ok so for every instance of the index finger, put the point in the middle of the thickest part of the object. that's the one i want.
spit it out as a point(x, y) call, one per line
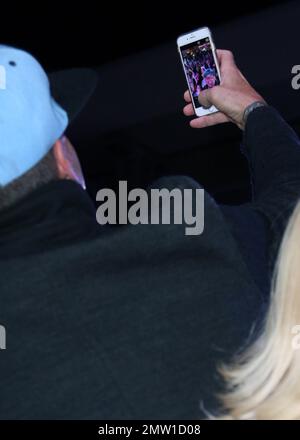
point(225, 58)
point(187, 96)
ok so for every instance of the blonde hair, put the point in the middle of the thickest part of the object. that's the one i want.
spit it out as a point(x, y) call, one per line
point(264, 382)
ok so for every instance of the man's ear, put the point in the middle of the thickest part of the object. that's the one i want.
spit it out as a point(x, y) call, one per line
point(67, 161)
point(62, 161)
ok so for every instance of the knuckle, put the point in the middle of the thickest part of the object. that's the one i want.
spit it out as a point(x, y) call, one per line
point(229, 53)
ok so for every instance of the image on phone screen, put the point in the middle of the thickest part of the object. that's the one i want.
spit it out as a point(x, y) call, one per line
point(200, 67)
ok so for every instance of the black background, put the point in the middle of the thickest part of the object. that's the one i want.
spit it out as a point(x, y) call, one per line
point(92, 33)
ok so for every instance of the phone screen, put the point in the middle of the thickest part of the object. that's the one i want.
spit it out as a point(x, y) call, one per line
point(200, 67)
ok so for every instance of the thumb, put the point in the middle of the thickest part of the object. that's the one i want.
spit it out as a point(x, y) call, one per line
point(204, 98)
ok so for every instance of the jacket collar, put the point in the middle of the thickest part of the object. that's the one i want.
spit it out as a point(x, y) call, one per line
point(52, 213)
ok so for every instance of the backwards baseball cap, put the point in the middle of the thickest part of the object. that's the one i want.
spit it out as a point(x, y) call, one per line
point(35, 109)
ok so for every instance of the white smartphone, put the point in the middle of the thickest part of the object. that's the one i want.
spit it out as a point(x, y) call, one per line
point(200, 64)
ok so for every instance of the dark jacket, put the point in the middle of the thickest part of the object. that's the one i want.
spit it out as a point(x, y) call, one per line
point(131, 322)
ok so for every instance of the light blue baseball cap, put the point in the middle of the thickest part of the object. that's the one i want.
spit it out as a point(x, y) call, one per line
point(35, 109)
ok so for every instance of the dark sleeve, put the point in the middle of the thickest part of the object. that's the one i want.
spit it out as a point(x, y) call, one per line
point(273, 152)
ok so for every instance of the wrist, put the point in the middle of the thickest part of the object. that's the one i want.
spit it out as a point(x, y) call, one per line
point(250, 108)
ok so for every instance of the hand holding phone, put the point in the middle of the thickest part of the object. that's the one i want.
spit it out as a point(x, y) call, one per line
point(231, 97)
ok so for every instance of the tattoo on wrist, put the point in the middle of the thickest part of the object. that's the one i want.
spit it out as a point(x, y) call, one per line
point(252, 107)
